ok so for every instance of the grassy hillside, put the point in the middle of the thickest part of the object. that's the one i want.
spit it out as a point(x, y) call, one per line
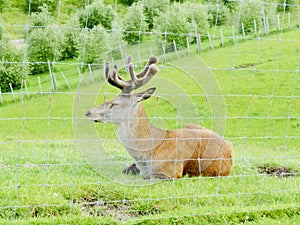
point(58, 168)
point(15, 17)
point(45, 178)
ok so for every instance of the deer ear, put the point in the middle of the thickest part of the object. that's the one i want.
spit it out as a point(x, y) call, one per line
point(146, 94)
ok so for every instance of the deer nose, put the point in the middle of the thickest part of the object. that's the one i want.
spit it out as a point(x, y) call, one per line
point(88, 113)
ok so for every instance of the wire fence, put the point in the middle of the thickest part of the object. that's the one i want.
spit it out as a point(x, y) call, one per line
point(240, 79)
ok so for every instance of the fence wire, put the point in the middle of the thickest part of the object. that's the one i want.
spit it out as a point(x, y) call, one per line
point(54, 163)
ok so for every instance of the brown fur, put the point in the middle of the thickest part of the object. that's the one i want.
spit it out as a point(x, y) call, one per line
point(193, 150)
point(160, 154)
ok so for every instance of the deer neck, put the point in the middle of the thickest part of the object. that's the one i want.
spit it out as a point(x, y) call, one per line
point(138, 135)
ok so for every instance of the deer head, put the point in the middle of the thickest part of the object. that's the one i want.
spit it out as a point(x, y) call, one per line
point(121, 108)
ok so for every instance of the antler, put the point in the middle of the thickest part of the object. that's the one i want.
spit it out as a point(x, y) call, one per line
point(137, 80)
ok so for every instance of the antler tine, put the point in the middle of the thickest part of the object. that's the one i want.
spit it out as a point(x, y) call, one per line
point(130, 68)
point(133, 75)
point(146, 75)
point(106, 73)
point(137, 80)
point(115, 79)
point(152, 70)
point(152, 60)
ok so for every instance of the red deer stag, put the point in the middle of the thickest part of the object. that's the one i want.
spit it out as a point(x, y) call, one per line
point(159, 154)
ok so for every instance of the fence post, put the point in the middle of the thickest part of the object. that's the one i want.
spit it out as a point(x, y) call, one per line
point(26, 89)
point(243, 30)
point(175, 47)
point(12, 92)
point(51, 77)
point(164, 51)
point(221, 36)
point(91, 73)
point(65, 79)
point(199, 44)
point(80, 76)
point(255, 27)
point(210, 43)
point(40, 85)
point(267, 26)
point(188, 44)
point(1, 99)
point(55, 87)
point(278, 22)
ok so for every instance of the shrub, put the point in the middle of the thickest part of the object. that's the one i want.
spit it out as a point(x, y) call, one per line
point(95, 14)
point(180, 21)
point(42, 46)
point(2, 4)
point(1, 30)
point(217, 14)
point(134, 24)
point(12, 69)
point(152, 8)
point(92, 45)
point(116, 37)
point(128, 2)
point(231, 5)
point(34, 5)
point(69, 44)
point(285, 5)
point(251, 10)
point(198, 16)
point(43, 18)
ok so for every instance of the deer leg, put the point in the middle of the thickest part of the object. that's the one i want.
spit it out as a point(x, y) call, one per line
point(158, 176)
point(132, 169)
point(167, 170)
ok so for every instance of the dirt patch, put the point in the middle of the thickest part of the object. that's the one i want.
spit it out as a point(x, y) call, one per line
point(118, 210)
point(278, 171)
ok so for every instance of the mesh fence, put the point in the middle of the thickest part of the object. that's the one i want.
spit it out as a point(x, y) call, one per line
point(229, 66)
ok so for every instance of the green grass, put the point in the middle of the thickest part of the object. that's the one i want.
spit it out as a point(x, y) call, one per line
point(16, 18)
point(45, 177)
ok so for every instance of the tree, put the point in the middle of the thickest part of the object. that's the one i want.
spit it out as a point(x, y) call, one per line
point(96, 13)
point(93, 45)
point(134, 24)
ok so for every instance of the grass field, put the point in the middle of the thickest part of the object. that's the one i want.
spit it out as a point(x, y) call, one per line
point(46, 177)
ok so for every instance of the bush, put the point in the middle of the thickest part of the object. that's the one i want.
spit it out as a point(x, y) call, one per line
point(12, 69)
point(198, 16)
point(251, 10)
point(69, 44)
point(43, 18)
point(34, 5)
point(180, 21)
point(42, 47)
point(286, 5)
point(116, 37)
point(134, 24)
point(95, 14)
point(217, 14)
point(152, 8)
point(128, 2)
point(1, 30)
point(2, 4)
point(231, 5)
point(92, 45)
